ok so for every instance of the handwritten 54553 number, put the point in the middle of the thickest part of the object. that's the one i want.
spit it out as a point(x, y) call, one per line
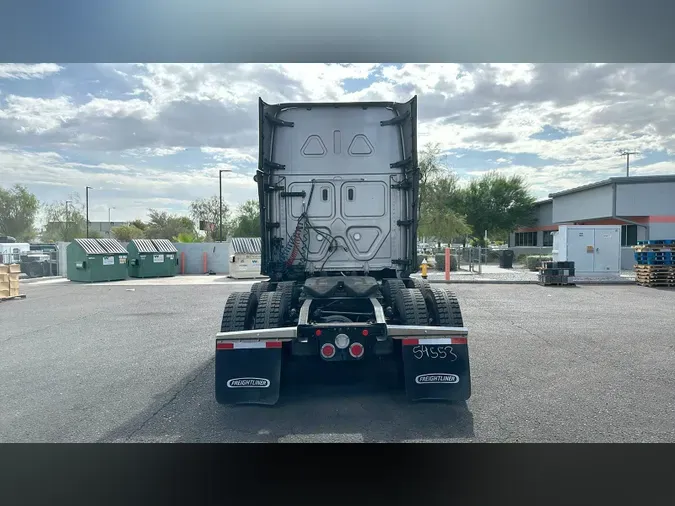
point(436, 351)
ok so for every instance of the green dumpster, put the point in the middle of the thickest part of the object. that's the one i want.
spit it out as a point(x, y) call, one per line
point(166, 247)
point(152, 258)
point(93, 260)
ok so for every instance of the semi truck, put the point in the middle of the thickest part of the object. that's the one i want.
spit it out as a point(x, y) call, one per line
point(338, 189)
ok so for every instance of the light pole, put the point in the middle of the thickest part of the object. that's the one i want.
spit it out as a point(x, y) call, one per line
point(109, 221)
point(220, 214)
point(87, 204)
point(67, 219)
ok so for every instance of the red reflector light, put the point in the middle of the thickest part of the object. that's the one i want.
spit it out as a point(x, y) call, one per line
point(364, 332)
point(317, 333)
point(273, 344)
point(224, 346)
point(356, 350)
point(459, 340)
point(411, 342)
point(327, 350)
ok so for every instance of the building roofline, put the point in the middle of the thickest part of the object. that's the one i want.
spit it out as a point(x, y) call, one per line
point(543, 201)
point(617, 180)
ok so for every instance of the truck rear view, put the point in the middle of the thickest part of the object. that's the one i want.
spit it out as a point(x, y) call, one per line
point(338, 187)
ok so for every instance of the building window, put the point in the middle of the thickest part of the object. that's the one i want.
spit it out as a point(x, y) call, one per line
point(628, 235)
point(547, 240)
point(525, 239)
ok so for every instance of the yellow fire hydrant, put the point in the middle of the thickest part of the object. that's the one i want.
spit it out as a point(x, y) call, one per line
point(424, 268)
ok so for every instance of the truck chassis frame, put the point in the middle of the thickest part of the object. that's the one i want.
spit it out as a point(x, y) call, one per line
point(408, 321)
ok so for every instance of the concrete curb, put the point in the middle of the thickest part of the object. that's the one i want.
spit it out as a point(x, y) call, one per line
point(28, 281)
point(521, 282)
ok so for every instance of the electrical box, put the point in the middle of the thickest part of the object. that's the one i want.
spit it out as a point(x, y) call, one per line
point(594, 249)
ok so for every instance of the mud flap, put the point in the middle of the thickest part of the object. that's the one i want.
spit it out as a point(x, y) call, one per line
point(248, 373)
point(437, 369)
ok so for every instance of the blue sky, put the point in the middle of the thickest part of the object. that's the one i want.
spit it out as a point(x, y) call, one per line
point(155, 135)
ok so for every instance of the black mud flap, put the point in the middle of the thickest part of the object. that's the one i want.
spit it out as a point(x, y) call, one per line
point(437, 369)
point(248, 373)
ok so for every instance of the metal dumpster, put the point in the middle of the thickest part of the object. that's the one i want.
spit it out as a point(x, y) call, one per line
point(152, 258)
point(92, 260)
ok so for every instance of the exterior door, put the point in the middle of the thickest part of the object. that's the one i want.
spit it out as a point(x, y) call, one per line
point(607, 249)
point(581, 249)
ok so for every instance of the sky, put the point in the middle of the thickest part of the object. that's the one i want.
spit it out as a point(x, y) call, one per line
point(156, 135)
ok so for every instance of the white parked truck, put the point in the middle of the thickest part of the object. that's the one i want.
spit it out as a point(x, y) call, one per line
point(338, 187)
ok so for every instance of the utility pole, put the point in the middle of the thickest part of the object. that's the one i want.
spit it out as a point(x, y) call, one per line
point(87, 205)
point(109, 222)
point(220, 214)
point(627, 155)
point(67, 219)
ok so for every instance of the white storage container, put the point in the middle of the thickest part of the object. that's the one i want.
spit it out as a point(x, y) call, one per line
point(594, 249)
point(244, 258)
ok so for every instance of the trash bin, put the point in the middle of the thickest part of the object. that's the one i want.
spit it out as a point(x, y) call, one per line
point(506, 259)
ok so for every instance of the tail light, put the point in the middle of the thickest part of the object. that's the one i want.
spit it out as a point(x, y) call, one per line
point(328, 350)
point(356, 350)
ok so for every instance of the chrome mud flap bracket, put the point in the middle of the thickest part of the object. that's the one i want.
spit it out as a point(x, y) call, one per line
point(435, 362)
point(248, 365)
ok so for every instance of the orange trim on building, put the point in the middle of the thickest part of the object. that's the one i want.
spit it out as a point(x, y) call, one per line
point(551, 228)
point(662, 219)
point(642, 220)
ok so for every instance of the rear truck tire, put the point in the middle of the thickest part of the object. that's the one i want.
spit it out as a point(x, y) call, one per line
point(287, 288)
point(247, 372)
point(443, 308)
point(271, 311)
point(433, 367)
point(411, 307)
point(260, 287)
point(421, 284)
point(389, 289)
point(239, 312)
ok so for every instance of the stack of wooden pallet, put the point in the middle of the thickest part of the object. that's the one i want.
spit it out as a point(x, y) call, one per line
point(9, 282)
point(655, 263)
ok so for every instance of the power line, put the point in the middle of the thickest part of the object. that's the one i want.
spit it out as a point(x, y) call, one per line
point(627, 155)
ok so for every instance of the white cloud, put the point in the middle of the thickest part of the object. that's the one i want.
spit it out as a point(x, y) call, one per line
point(208, 114)
point(27, 71)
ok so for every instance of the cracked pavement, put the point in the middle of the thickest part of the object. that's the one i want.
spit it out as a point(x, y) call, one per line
point(88, 363)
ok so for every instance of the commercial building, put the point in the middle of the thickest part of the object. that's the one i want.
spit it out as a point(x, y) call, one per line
point(644, 207)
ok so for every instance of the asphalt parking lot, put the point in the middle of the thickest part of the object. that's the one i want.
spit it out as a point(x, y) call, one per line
point(89, 363)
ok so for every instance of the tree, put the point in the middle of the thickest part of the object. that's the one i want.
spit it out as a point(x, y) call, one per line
point(209, 210)
point(498, 204)
point(138, 224)
point(247, 220)
point(18, 209)
point(442, 216)
point(441, 203)
point(430, 169)
point(163, 225)
point(66, 221)
point(127, 233)
point(186, 237)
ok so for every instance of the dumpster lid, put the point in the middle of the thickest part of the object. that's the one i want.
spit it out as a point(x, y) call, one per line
point(112, 246)
point(91, 246)
point(144, 245)
point(164, 246)
point(249, 245)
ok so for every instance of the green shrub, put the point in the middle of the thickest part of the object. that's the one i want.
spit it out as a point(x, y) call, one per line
point(521, 259)
point(440, 262)
point(533, 262)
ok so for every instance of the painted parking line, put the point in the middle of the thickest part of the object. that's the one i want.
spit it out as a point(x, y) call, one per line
point(321, 438)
